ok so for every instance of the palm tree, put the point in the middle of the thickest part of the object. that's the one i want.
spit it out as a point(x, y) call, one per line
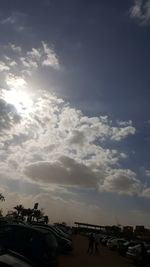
point(19, 209)
point(2, 198)
point(23, 213)
point(29, 214)
point(38, 214)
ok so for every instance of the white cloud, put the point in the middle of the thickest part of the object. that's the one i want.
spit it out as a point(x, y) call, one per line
point(13, 63)
point(9, 20)
point(120, 133)
point(146, 193)
point(147, 172)
point(25, 62)
point(16, 20)
point(124, 123)
point(141, 10)
point(15, 81)
point(58, 146)
point(3, 66)
point(34, 53)
point(15, 48)
point(29, 63)
point(55, 143)
point(122, 181)
point(51, 58)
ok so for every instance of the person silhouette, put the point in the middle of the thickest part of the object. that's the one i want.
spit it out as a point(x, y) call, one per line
point(91, 243)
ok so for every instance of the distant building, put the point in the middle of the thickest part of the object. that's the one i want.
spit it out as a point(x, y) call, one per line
point(113, 230)
point(127, 232)
point(128, 229)
point(139, 229)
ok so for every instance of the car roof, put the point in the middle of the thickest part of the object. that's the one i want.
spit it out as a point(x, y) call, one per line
point(22, 226)
point(41, 229)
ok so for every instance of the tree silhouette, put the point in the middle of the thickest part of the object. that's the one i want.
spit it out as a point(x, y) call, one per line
point(29, 214)
point(19, 209)
point(2, 198)
point(38, 214)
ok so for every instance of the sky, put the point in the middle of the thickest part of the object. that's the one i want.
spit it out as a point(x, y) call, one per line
point(74, 109)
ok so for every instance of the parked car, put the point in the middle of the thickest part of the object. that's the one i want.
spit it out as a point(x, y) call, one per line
point(9, 258)
point(36, 244)
point(64, 245)
point(134, 252)
point(61, 232)
point(123, 247)
point(114, 243)
point(109, 240)
point(53, 228)
point(105, 239)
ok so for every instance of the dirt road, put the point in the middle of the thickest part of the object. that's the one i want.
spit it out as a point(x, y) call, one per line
point(79, 257)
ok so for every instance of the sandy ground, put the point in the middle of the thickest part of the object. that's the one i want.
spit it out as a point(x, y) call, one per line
point(79, 257)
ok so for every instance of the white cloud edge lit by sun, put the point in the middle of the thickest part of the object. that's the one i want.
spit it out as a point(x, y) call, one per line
point(24, 62)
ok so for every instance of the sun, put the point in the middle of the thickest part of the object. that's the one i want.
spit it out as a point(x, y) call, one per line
point(20, 99)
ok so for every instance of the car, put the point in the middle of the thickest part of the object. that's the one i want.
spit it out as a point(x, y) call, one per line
point(10, 258)
point(109, 241)
point(114, 243)
point(37, 245)
point(134, 252)
point(53, 228)
point(61, 232)
point(123, 247)
point(64, 245)
point(105, 239)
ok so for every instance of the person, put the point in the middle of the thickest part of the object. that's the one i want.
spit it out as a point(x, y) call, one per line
point(97, 240)
point(91, 243)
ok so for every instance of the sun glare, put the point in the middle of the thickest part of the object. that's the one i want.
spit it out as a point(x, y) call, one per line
point(19, 99)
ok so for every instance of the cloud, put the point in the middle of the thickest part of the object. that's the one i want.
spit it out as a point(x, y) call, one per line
point(8, 118)
point(3, 66)
point(9, 20)
point(147, 172)
point(15, 81)
point(13, 63)
point(77, 138)
point(59, 146)
point(64, 171)
point(51, 58)
point(16, 20)
point(25, 62)
point(122, 181)
point(29, 63)
point(54, 143)
point(34, 53)
point(15, 48)
point(141, 11)
point(124, 123)
point(120, 133)
point(146, 193)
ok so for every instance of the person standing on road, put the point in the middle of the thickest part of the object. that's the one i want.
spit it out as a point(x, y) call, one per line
point(97, 241)
point(91, 243)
